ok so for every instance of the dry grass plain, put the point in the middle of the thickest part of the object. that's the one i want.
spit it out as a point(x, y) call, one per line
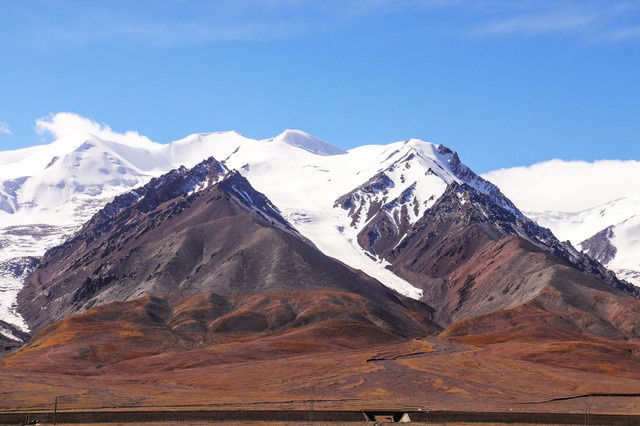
point(428, 374)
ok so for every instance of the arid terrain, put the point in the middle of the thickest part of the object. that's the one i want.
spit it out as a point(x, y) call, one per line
point(427, 374)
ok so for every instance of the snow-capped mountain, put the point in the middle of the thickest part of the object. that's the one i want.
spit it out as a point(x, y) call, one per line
point(189, 242)
point(217, 251)
point(332, 197)
point(194, 232)
point(590, 204)
point(609, 233)
point(48, 192)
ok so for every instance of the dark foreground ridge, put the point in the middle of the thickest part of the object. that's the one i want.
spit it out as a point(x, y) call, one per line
point(322, 417)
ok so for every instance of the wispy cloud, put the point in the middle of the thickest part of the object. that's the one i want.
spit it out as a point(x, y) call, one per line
point(622, 34)
point(175, 22)
point(541, 23)
point(610, 21)
point(163, 23)
point(4, 128)
point(181, 33)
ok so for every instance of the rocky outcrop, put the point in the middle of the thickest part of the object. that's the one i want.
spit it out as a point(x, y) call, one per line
point(599, 247)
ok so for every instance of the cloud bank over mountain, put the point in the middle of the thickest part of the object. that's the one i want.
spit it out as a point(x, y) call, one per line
point(63, 124)
point(567, 185)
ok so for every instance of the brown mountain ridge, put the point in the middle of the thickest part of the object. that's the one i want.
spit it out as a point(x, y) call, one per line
point(201, 269)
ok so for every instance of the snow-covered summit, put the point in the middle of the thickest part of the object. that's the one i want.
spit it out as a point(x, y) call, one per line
point(59, 183)
point(307, 142)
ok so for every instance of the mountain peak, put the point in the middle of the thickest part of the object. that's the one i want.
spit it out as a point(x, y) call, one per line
point(307, 142)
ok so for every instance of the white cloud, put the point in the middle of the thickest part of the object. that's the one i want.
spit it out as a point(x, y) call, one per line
point(64, 124)
point(4, 128)
point(567, 185)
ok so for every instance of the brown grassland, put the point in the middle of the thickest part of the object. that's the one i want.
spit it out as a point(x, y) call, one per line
point(422, 374)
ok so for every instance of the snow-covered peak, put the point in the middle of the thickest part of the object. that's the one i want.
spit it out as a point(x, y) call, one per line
point(578, 226)
point(616, 247)
point(626, 240)
point(609, 233)
point(192, 149)
point(60, 183)
point(411, 176)
point(307, 142)
point(28, 161)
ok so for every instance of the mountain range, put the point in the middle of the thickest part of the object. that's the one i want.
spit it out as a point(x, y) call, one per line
point(122, 259)
point(609, 233)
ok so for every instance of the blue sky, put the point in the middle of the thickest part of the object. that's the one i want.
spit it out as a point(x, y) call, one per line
point(504, 83)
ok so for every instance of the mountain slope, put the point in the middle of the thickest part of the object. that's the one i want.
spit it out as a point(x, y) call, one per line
point(473, 258)
point(329, 199)
point(47, 192)
point(609, 233)
point(616, 247)
point(197, 257)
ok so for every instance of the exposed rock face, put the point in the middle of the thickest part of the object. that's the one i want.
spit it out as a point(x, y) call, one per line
point(599, 247)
